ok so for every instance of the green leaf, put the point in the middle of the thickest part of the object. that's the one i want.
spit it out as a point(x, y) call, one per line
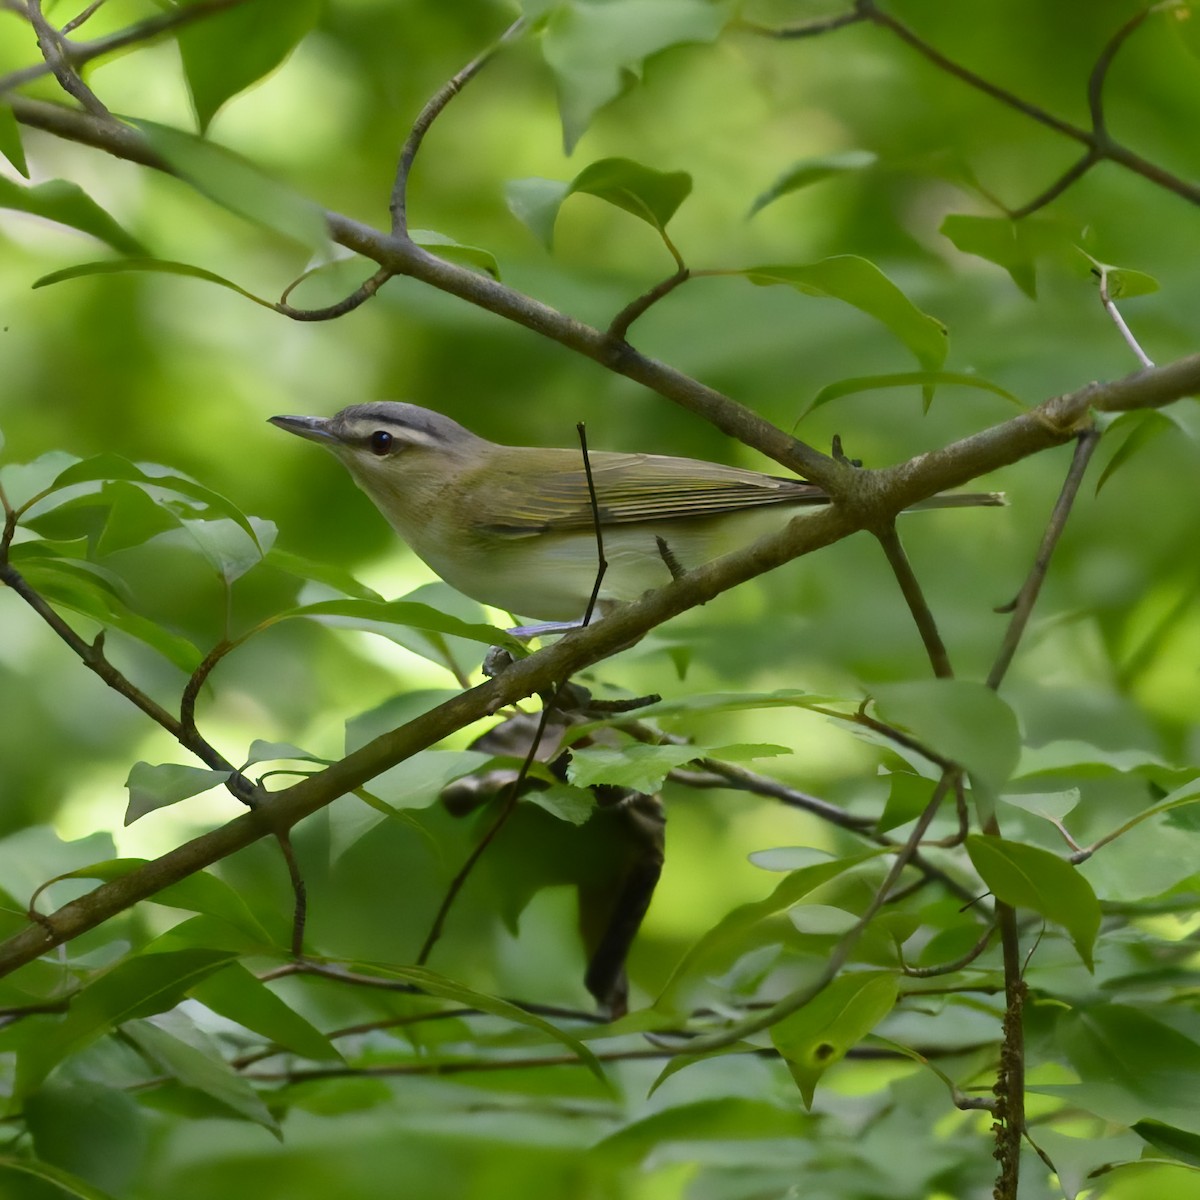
point(922, 379)
point(206, 1071)
point(153, 787)
point(1017, 246)
point(24, 481)
point(963, 721)
point(812, 170)
point(643, 768)
point(1030, 877)
point(418, 780)
point(596, 49)
point(374, 615)
point(161, 265)
point(228, 51)
point(95, 1132)
point(85, 595)
point(227, 545)
point(1125, 283)
point(239, 996)
point(237, 185)
point(319, 572)
point(571, 804)
point(68, 1184)
point(1139, 430)
point(860, 283)
point(651, 196)
point(1178, 1143)
point(261, 751)
point(818, 1035)
point(535, 203)
point(725, 938)
point(1052, 806)
point(10, 140)
point(446, 247)
point(67, 204)
point(135, 987)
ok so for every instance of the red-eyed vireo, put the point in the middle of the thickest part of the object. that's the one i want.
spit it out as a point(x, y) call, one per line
point(512, 526)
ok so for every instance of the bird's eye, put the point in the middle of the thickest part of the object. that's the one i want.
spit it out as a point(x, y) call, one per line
point(380, 442)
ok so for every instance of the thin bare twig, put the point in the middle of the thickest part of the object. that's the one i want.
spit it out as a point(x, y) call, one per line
point(359, 296)
point(50, 43)
point(635, 308)
point(914, 597)
point(1022, 608)
point(957, 965)
point(806, 30)
point(1119, 321)
point(299, 892)
point(1071, 175)
point(89, 12)
point(1100, 70)
point(427, 116)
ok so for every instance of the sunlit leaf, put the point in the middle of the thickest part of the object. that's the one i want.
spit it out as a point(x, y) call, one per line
point(818, 1035)
point(153, 787)
point(595, 49)
point(860, 283)
point(228, 51)
point(813, 170)
point(67, 204)
point(1030, 877)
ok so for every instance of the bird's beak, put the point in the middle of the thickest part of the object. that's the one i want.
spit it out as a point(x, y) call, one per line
point(316, 429)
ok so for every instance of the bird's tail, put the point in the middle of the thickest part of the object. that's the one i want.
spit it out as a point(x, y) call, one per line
point(960, 500)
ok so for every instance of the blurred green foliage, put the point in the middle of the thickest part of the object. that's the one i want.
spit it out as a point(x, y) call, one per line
point(848, 143)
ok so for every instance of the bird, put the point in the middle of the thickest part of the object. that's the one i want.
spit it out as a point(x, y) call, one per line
point(513, 527)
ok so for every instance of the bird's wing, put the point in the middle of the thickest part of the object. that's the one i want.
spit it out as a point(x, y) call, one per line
point(629, 488)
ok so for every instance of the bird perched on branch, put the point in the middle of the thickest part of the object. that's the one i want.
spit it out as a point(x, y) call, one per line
point(513, 526)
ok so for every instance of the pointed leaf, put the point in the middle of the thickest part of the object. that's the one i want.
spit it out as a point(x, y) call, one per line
point(812, 170)
point(1139, 430)
point(535, 203)
point(860, 283)
point(818, 1035)
point(64, 1181)
point(963, 721)
point(923, 379)
point(643, 768)
point(1017, 246)
point(227, 52)
point(239, 996)
point(595, 50)
point(153, 787)
point(208, 1073)
point(1178, 1143)
point(135, 987)
point(651, 196)
point(68, 204)
point(161, 265)
point(446, 247)
point(1030, 877)
point(10, 140)
point(239, 186)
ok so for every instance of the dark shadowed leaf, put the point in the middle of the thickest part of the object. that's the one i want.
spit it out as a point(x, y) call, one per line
point(10, 140)
point(64, 1183)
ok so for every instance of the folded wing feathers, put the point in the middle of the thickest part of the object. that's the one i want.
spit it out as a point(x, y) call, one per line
point(663, 489)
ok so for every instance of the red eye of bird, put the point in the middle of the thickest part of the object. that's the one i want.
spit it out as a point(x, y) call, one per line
point(380, 442)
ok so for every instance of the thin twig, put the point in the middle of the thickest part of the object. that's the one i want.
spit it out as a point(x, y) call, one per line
point(79, 53)
point(1071, 175)
point(358, 297)
point(1119, 321)
point(914, 597)
point(427, 116)
point(806, 30)
point(299, 892)
point(635, 308)
point(601, 561)
point(951, 967)
point(1100, 70)
point(50, 43)
point(89, 12)
point(1022, 608)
